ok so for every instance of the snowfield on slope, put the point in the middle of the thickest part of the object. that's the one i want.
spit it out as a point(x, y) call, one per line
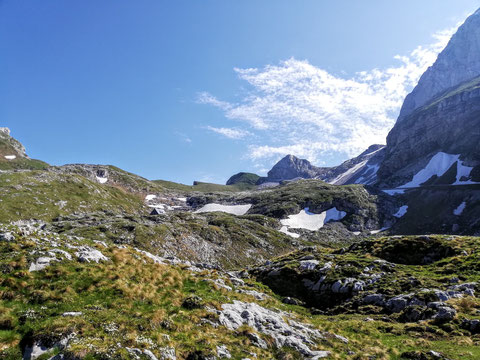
point(229, 209)
point(101, 180)
point(402, 211)
point(310, 221)
point(439, 165)
point(459, 210)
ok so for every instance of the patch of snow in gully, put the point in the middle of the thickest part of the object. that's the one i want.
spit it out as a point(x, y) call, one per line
point(438, 165)
point(459, 210)
point(310, 221)
point(229, 209)
point(402, 211)
point(10, 157)
point(102, 180)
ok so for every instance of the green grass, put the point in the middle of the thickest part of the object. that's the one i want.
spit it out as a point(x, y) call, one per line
point(133, 302)
point(203, 187)
point(39, 195)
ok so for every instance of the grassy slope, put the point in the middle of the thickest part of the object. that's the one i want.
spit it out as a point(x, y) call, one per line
point(8, 146)
point(203, 187)
point(132, 302)
point(39, 195)
point(388, 336)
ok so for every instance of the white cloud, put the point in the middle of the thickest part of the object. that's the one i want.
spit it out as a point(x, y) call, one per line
point(297, 108)
point(230, 133)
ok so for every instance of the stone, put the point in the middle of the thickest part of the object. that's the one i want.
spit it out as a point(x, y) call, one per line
point(223, 353)
point(88, 254)
point(308, 264)
point(292, 333)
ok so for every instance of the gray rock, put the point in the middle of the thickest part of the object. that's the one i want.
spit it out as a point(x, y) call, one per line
point(223, 353)
point(374, 299)
point(398, 303)
point(293, 334)
point(458, 62)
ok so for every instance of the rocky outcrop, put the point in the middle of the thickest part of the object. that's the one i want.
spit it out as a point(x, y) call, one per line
point(449, 124)
point(10, 146)
point(457, 63)
point(291, 167)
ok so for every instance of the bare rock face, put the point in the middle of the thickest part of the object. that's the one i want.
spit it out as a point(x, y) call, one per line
point(358, 170)
point(457, 63)
point(10, 146)
point(442, 114)
point(291, 167)
point(450, 124)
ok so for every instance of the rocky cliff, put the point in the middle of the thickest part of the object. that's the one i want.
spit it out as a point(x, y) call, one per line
point(449, 123)
point(440, 116)
point(457, 63)
point(291, 167)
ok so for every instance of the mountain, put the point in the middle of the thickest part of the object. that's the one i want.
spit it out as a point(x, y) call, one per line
point(291, 167)
point(457, 63)
point(358, 170)
point(439, 127)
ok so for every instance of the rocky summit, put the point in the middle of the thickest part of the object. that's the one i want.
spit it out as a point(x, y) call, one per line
point(376, 258)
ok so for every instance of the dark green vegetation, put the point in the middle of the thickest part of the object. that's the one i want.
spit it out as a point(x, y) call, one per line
point(244, 179)
point(203, 187)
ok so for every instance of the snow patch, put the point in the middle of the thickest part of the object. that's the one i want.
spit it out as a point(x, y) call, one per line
point(459, 210)
point(182, 199)
point(369, 174)
point(229, 209)
point(10, 157)
point(379, 230)
point(284, 230)
point(438, 165)
point(344, 176)
point(402, 211)
point(150, 197)
point(394, 191)
point(101, 180)
point(310, 221)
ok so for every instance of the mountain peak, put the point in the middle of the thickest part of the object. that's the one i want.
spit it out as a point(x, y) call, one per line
point(291, 167)
point(457, 63)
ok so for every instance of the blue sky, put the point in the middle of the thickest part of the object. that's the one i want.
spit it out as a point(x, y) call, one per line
point(199, 90)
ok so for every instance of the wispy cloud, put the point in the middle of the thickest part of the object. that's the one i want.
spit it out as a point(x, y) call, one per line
point(183, 137)
point(231, 133)
point(297, 108)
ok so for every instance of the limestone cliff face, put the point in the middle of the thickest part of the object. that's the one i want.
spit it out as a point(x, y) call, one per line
point(442, 113)
point(457, 63)
point(291, 167)
point(449, 123)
